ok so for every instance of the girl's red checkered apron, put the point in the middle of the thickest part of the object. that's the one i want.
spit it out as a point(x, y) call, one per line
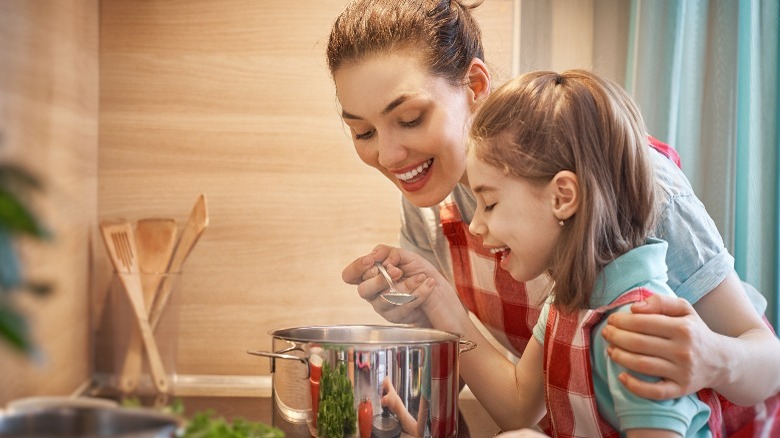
point(571, 402)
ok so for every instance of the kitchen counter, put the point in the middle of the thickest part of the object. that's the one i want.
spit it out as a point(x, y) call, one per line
point(473, 420)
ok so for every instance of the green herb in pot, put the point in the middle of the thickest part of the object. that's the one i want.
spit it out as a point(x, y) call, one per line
point(336, 416)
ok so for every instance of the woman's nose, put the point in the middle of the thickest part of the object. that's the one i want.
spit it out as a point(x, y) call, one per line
point(391, 151)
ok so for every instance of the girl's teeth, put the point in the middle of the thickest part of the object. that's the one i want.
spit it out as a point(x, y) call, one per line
point(414, 172)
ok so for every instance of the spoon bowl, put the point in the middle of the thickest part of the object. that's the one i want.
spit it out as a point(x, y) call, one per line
point(393, 295)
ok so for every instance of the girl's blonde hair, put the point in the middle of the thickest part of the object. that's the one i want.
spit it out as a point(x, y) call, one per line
point(541, 123)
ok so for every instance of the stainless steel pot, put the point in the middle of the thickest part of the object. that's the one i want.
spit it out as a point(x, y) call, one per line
point(414, 370)
point(87, 421)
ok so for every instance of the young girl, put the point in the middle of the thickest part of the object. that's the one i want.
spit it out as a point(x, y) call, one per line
point(409, 75)
point(565, 188)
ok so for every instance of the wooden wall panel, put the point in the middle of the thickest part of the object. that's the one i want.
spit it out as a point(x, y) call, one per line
point(233, 99)
point(48, 123)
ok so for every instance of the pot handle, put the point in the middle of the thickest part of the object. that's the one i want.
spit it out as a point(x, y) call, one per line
point(466, 345)
point(281, 355)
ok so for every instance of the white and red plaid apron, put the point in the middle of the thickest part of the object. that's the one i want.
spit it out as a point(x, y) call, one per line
point(504, 306)
point(444, 384)
point(501, 303)
point(572, 410)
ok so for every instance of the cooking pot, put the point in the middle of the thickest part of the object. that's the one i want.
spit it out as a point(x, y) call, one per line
point(382, 381)
point(87, 421)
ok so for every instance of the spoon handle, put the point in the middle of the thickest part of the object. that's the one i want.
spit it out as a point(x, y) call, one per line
point(393, 296)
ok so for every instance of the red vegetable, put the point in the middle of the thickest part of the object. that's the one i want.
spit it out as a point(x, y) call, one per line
point(315, 372)
point(365, 417)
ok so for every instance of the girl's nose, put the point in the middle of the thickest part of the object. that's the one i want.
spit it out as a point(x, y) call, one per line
point(477, 227)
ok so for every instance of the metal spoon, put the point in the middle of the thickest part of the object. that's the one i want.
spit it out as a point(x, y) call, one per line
point(394, 296)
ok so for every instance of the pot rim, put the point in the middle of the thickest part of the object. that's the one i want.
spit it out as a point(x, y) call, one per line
point(350, 334)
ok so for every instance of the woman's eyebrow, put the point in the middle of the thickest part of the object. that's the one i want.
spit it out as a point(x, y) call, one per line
point(390, 106)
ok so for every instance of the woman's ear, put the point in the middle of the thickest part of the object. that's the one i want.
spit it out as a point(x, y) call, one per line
point(478, 79)
point(566, 194)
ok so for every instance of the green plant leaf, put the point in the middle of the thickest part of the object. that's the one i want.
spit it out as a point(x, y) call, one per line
point(14, 329)
point(17, 218)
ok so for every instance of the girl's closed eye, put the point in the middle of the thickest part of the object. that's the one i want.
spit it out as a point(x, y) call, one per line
point(489, 207)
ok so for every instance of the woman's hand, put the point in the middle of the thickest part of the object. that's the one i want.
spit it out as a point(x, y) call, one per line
point(408, 271)
point(721, 344)
point(663, 337)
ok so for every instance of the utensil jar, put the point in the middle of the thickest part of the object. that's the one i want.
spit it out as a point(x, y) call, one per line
point(418, 365)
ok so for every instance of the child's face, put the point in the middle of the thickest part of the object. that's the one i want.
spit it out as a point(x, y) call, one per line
point(406, 123)
point(515, 218)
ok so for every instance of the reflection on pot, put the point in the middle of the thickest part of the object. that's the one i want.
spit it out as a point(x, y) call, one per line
point(406, 375)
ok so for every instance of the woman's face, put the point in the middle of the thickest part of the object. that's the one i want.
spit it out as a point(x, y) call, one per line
point(407, 123)
point(515, 218)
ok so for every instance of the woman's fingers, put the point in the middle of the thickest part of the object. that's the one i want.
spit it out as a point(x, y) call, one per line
point(354, 272)
point(663, 305)
point(659, 390)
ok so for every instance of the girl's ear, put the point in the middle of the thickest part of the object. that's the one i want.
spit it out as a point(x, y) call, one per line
point(478, 79)
point(566, 194)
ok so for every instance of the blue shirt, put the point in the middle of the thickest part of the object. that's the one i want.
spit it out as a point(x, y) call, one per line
point(641, 267)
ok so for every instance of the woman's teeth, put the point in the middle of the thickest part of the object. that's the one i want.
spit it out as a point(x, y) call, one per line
point(408, 176)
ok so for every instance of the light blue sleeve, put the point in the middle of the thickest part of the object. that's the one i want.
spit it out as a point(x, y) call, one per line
point(624, 410)
point(697, 258)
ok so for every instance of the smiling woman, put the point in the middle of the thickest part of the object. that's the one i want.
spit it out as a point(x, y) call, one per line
point(407, 124)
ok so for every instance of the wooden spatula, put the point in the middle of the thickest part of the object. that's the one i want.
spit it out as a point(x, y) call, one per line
point(155, 239)
point(196, 223)
point(120, 243)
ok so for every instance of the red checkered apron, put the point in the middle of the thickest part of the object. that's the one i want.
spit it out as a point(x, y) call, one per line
point(500, 302)
point(571, 403)
point(761, 420)
point(444, 383)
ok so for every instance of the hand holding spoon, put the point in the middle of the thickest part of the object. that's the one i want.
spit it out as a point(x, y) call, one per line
point(393, 296)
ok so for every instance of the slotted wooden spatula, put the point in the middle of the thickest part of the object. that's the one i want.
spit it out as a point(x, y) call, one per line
point(120, 243)
point(155, 239)
point(196, 223)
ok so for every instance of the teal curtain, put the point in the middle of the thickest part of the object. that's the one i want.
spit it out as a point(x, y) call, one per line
point(705, 74)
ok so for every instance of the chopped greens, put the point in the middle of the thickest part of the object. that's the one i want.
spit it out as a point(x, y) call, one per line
point(205, 425)
point(336, 416)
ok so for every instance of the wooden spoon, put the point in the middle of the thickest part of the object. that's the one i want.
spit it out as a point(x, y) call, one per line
point(196, 223)
point(120, 243)
point(155, 239)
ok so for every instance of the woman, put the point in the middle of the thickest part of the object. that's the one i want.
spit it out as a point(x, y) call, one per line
point(409, 75)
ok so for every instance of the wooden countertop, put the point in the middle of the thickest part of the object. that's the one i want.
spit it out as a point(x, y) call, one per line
point(473, 420)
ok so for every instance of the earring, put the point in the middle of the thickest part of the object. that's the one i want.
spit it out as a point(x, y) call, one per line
point(561, 222)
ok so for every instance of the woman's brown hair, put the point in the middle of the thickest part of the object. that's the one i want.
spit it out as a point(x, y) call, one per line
point(541, 123)
point(443, 32)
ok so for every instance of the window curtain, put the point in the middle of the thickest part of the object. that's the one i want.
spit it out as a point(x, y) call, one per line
point(705, 74)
